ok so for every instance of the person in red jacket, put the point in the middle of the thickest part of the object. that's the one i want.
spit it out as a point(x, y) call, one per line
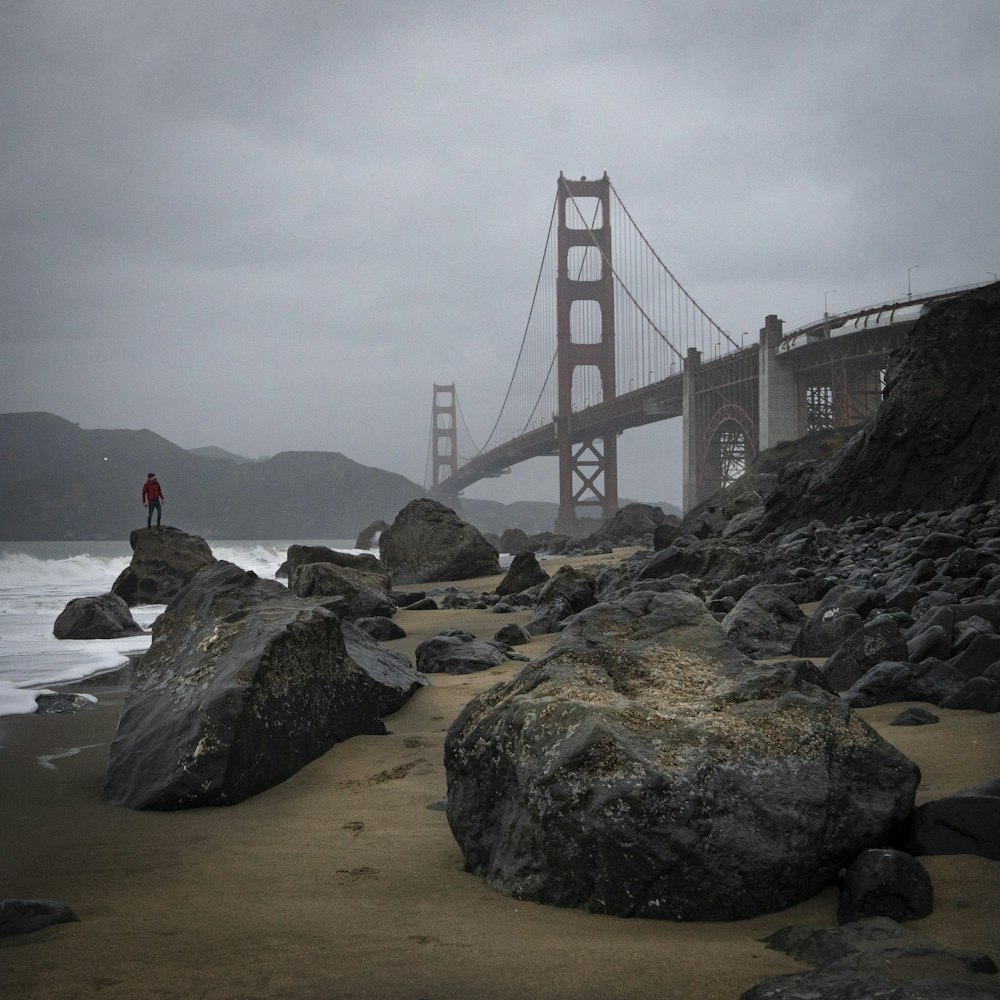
point(152, 497)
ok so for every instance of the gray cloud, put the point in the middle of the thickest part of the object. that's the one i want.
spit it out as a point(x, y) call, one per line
point(273, 226)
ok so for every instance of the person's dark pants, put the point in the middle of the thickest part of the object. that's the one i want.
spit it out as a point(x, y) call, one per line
point(149, 515)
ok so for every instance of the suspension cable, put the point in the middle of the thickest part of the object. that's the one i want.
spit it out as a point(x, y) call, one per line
point(534, 297)
point(673, 277)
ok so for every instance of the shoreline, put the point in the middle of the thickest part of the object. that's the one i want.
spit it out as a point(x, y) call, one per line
point(345, 881)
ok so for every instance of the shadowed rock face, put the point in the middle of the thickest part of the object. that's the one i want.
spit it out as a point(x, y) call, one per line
point(644, 767)
point(244, 684)
point(429, 541)
point(163, 561)
point(932, 443)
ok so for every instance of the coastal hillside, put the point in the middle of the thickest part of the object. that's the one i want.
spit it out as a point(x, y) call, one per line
point(59, 481)
point(931, 445)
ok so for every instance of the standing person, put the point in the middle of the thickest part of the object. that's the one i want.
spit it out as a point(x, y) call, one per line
point(152, 497)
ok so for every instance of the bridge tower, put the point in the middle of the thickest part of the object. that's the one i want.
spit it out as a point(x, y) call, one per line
point(588, 469)
point(444, 443)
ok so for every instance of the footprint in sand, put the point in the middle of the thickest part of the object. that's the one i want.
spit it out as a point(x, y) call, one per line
point(415, 742)
point(355, 875)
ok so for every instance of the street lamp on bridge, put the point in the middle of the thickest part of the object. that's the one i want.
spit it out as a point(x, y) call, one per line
point(909, 292)
point(826, 313)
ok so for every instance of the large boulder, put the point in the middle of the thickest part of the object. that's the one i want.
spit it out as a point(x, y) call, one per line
point(365, 593)
point(244, 683)
point(429, 541)
point(644, 767)
point(163, 561)
point(302, 555)
point(104, 617)
point(523, 573)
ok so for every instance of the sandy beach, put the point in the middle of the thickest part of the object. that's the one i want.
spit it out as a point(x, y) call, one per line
point(345, 881)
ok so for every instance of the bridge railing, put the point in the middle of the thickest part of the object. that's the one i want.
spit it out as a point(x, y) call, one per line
point(834, 319)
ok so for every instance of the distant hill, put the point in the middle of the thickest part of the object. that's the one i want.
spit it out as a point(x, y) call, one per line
point(59, 481)
point(212, 452)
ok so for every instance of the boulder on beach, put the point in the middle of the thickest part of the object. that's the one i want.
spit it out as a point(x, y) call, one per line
point(644, 767)
point(303, 555)
point(163, 561)
point(365, 592)
point(875, 958)
point(244, 684)
point(455, 651)
point(106, 616)
point(523, 573)
point(429, 541)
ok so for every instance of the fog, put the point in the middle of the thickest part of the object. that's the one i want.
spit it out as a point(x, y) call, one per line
point(273, 226)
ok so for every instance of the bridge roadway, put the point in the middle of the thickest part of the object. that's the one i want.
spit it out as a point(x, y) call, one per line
point(647, 405)
point(843, 352)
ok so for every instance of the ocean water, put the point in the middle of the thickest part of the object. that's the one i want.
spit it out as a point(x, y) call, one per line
point(38, 580)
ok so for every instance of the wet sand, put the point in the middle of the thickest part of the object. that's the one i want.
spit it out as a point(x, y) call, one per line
point(345, 881)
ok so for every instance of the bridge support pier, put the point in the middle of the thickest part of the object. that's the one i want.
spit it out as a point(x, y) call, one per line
point(782, 417)
point(690, 432)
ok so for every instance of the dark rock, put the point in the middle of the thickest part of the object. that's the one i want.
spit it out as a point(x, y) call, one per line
point(885, 883)
point(967, 822)
point(764, 622)
point(511, 635)
point(303, 555)
point(24, 916)
point(665, 532)
point(633, 523)
point(380, 628)
point(930, 680)
point(428, 541)
point(568, 591)
point(424, 604)
point(875, 958)
point(931, 445)
point(524, 572)
point(826, 631)
point(929, 642)
point(877, 641)
point(62, 703)
point(365, 592)
point(103, 617)
point(163, 561)
point(456, 652)
point(244, 683)
point(982, 652)
point(979, 694)
point(406, 598)
point(515, 541)
point(369, 537)
point(389, 676)
point(915, 717)
point(644, 767)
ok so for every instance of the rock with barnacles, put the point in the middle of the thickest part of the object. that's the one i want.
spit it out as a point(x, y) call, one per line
point(645, 767)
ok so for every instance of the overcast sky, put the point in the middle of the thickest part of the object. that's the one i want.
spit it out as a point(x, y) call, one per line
point(273, 226)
